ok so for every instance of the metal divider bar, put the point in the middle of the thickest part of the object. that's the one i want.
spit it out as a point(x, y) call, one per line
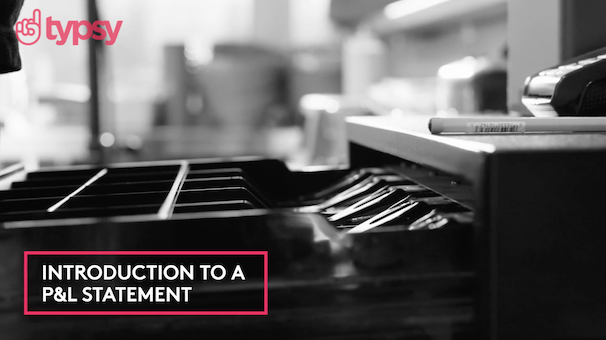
point(166, 210)
point(77, 191)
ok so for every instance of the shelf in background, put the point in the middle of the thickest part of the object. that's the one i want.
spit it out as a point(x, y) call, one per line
point(440, 14)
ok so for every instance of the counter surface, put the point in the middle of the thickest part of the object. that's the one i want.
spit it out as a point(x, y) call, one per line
point(409, 138)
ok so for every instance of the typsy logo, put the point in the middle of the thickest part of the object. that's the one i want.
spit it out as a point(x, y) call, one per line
point(29, 30)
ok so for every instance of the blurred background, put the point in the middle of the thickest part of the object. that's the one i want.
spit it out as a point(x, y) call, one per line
point(222, 78)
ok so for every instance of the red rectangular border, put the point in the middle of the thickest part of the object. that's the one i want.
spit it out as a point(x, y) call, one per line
point(146, 253)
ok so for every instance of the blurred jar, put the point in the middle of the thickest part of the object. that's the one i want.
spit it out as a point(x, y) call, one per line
point(241, 85)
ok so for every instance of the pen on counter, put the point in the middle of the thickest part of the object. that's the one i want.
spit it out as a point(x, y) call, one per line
point(488, 125)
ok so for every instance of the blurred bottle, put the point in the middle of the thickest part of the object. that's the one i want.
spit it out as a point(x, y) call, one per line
point(313, 70)
point(363, 62)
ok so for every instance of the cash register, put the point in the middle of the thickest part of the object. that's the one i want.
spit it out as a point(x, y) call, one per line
point(422, 237)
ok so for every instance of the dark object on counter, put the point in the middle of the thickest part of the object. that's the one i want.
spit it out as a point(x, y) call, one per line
point(491, 89)
point(10, 59)
point(577, 87)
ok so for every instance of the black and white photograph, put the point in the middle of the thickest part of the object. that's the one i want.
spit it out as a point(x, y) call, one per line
point(302, 169)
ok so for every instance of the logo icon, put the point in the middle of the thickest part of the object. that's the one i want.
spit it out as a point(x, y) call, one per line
point(29, 30)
